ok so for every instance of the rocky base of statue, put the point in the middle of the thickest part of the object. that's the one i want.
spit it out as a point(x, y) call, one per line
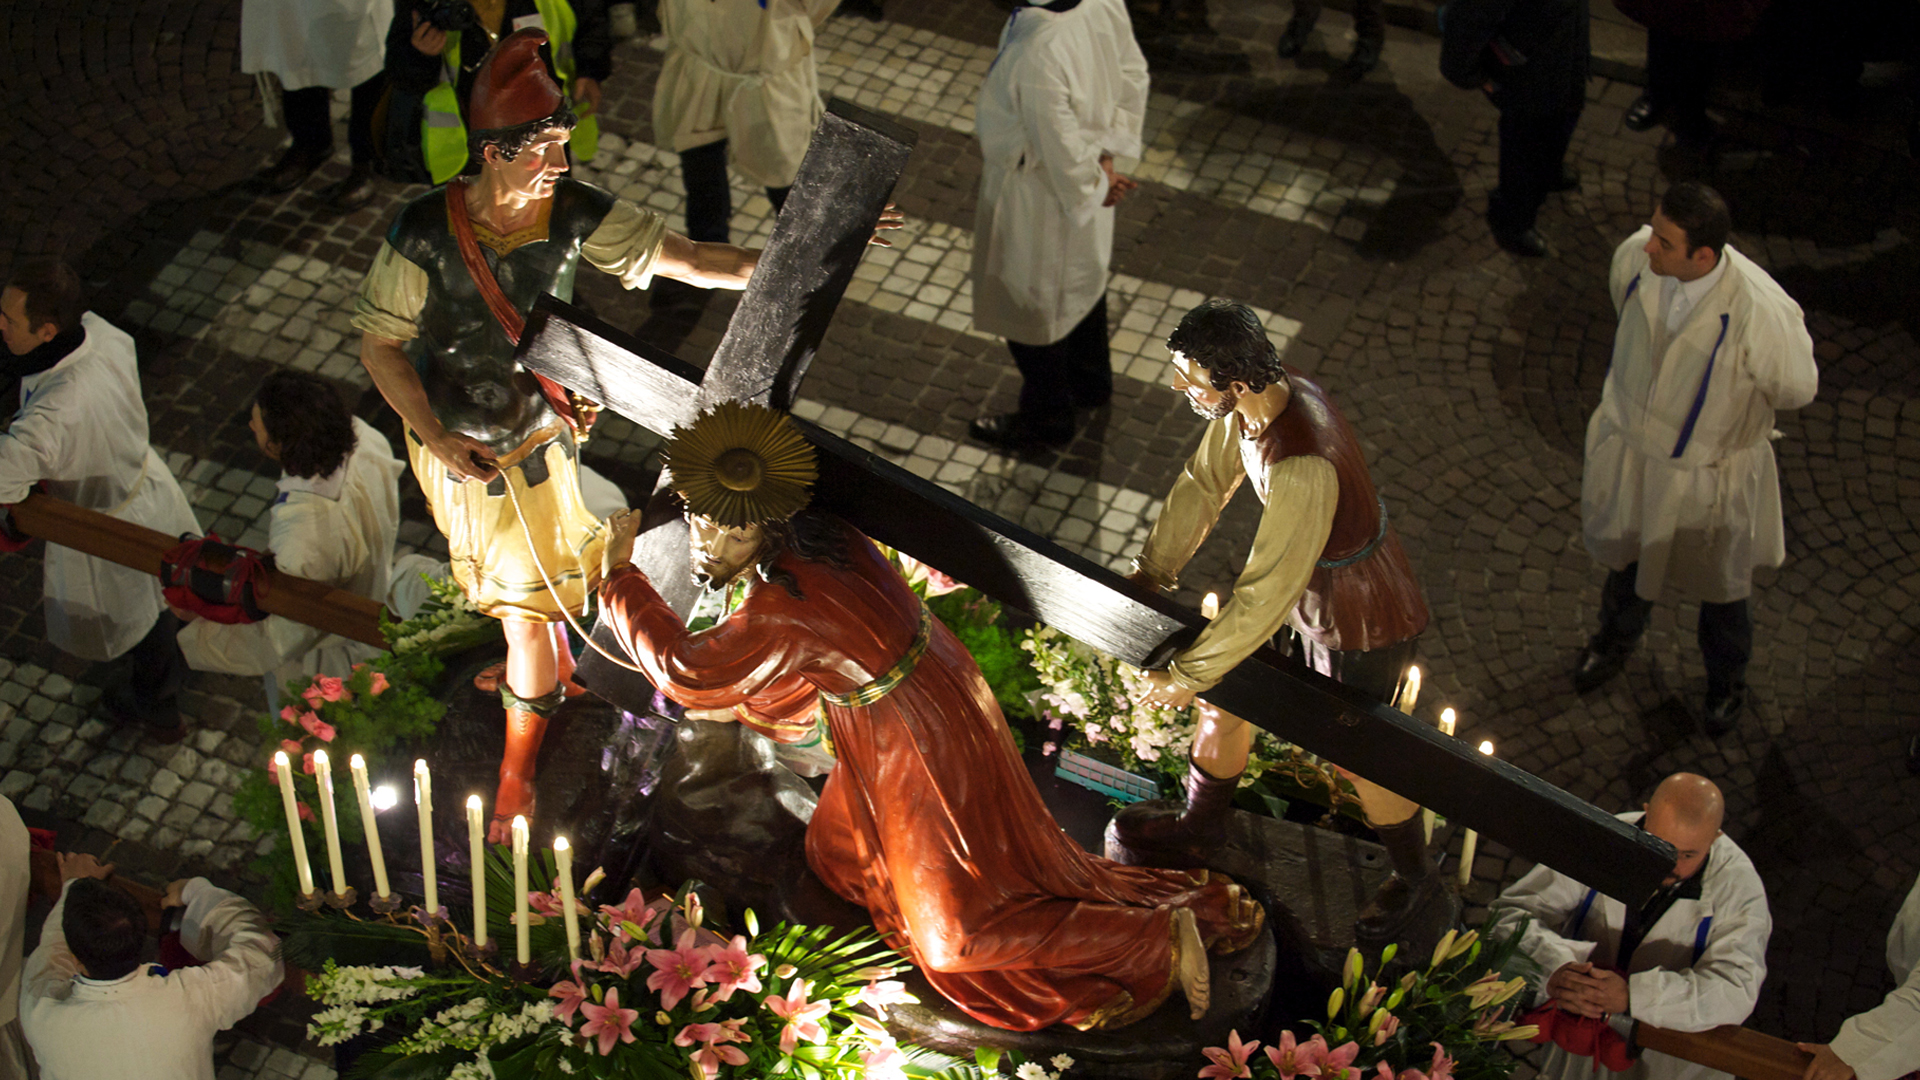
point(1416, 914)
point(1164, 1046)
point(1314, 883)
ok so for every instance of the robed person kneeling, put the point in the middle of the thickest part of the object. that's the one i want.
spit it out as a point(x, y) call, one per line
point(929, 820)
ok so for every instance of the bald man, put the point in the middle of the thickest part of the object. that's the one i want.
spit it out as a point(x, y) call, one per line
point(1691, 958)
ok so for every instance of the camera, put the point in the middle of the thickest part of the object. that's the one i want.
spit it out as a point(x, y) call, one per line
point(450, 15)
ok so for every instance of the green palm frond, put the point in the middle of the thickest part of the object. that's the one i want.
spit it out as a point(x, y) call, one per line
point(309, 939)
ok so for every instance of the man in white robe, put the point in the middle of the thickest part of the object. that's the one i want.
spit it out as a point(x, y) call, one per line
point(16, 882)
point(738, 78)
point(315, 47)
point(93, 1011)
point(335, 520)
point(82, 429)
point(1680, 493)
point(1882, 1043)
point(1691, 958)
point(1066, 95)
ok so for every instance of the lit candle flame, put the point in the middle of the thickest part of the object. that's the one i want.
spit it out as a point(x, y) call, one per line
point(1486, 746)
point(1447, 720)
point(1210, 606)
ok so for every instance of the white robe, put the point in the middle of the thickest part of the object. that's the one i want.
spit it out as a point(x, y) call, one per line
point(338, 529)
point(16, 880)
point(144, 1026)
point(1884, 1042)
point(1680, 481)
point(333, 43)
point(82, 427)
point(1064, 89)
point(741, 70)
point(1666, 986)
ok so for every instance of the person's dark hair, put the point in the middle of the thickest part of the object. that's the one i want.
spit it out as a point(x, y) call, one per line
point(304, 414)
point(1227, 339)
point(813, 535)
point(105, 928)
point(54, 293)
point(1701, 213)
point(511, 140)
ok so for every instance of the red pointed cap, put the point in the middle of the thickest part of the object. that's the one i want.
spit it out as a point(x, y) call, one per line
point(512, 86)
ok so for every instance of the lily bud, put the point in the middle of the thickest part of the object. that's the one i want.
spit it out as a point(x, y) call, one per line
point(1334, 1000)
point(1442, 949)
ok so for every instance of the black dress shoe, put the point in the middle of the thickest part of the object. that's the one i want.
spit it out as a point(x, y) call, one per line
point(1724, 710)
point(352, 192)
point(1364, 58)
point(1527, 242)
point(1641, 115)
point(1569, 180)
point(1597, 665)
point(1017, 431)
point(288, 173)
point(1292, 40)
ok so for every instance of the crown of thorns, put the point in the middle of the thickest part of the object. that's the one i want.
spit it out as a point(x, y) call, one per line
point(741, 465)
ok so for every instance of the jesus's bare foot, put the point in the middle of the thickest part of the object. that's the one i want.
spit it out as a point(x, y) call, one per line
point(1191, 963)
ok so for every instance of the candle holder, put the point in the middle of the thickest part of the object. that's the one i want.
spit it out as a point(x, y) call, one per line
point(388, 904)
point(482, 954)
point(343, 900)
point(525, 973)
point(311, 901)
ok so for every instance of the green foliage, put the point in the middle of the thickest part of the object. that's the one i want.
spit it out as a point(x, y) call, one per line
point(978, 623)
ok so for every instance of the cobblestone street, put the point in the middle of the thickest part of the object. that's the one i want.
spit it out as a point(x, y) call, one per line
point(1349, 214)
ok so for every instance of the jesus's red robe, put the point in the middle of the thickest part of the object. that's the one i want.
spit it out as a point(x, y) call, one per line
point(929, 820)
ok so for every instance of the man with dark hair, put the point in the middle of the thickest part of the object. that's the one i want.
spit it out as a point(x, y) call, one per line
point(335, 520)
point(93, 1011)
point(930, 821)
point(1324, 560)
point(1066, 95)
point(495, 448)
point(82, 431)
point(1680, 491)
point(1531, 59)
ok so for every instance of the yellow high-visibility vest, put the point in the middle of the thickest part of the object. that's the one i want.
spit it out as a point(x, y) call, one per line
point(443, 134)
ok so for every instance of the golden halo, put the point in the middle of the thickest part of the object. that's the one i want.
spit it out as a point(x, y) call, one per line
point(741, 464)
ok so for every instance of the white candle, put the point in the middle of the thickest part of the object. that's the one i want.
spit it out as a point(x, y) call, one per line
point(1473, 838)
point(284, 769)
point(1210, 606)
point(370, 820)
point(522, 948)
point(423, 800)
point(1409, 691)
point(323, 772)
point(1446, 728)
point(563, 857)
point(477, 842)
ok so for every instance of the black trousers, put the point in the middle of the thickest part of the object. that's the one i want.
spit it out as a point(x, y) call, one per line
point(1679, 74)
point(1533, 154)
point(1369, 17)
point(1725, 630)
point(1076, 370)
point(703, 171)
point(310, 119)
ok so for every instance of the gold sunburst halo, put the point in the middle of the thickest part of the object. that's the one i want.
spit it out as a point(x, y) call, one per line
point(741, 464)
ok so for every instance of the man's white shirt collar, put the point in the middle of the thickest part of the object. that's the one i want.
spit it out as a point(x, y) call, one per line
point(1679, 298)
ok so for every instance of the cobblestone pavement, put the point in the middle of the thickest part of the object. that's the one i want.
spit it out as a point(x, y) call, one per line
point(1347, 213)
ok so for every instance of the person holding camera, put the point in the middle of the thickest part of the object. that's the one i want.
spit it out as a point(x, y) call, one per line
point(434, 47)
point(92, 1010)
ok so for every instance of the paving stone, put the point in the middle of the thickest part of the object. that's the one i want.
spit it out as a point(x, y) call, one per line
point(196, 795)
point(166, 783)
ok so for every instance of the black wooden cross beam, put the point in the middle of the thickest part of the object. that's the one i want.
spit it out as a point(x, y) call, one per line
point(807, 264)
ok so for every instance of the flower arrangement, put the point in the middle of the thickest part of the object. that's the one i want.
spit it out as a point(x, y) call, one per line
point(1446, 1021)
point(659, 993)
point(374, 707)
point(446, 623)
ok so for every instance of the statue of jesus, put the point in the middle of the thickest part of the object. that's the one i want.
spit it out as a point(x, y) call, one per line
point(929, 820)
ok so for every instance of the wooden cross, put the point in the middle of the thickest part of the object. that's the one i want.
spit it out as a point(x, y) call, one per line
point(849, 171)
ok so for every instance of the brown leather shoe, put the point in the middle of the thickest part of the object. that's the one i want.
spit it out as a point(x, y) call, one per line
point(1166, 834)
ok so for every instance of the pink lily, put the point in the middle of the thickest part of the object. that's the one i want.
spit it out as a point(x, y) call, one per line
point(1230, 1061)
point(677, 971)
point(610, 1022)
point(883, 1063)
point(1293, 1058)
point(802, 1016)
point(1387, 1027)
point(571, 995)
point(1385, 1071)
point(1337, 1063)
point(734, 968)
point(1442, 1066)
point(622, 961)
point(710, 1057)
point(694, 1033)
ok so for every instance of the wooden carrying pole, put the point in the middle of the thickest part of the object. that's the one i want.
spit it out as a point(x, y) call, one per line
point(1745, 1053)
point(312, 603)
